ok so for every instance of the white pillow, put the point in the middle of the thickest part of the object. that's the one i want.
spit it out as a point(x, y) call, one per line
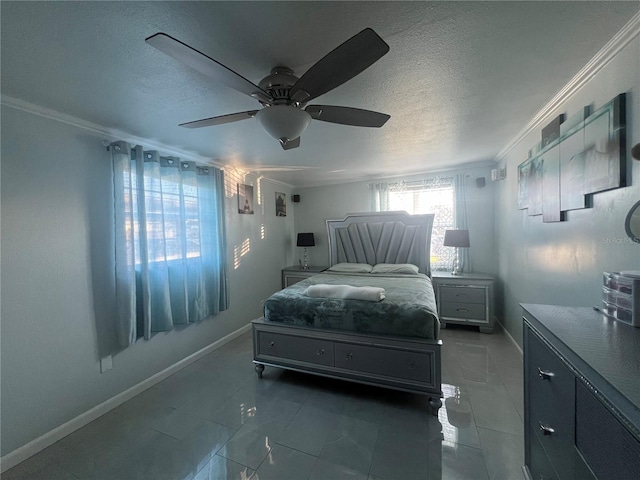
point(407, 268)
point(351, 268)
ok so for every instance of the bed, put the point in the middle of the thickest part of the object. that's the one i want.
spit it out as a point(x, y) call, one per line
point(391, 343)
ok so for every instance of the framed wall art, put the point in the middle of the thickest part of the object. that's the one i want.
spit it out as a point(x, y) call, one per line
point(574, 160)
point(281, 204)
point(245, 199)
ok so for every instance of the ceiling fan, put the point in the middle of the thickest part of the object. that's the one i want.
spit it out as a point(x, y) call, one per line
point(284, 97)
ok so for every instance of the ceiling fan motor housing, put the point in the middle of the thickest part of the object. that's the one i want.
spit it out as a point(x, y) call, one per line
point(278, 84)
point(282, 118)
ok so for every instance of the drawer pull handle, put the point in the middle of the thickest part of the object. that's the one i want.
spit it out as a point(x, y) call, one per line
point(461, 295)
point(545, 374)
point(413, 366)
point(272, 344)
point(348, 356)
point(462, 310)
point(546, 430)
point(320, 352)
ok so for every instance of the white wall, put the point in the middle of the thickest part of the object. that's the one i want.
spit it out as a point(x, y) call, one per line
point(562, 263)
point(318, 204)
point(57, 277)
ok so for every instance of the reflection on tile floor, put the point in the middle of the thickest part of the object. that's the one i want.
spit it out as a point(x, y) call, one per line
point(215, 420)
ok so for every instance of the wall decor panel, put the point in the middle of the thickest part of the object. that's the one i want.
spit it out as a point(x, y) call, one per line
point(584, 157)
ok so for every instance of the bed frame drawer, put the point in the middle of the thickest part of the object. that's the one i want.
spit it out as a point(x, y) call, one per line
point(401, 363)
point(379, 361)
point(293, 347)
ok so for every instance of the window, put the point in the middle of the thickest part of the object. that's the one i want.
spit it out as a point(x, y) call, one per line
point(170, 242)
point(172, 221)
point(435, 195)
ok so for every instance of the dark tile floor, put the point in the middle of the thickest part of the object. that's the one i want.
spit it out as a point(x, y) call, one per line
point(216, 420)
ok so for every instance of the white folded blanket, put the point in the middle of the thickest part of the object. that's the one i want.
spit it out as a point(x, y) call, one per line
point(370, 294)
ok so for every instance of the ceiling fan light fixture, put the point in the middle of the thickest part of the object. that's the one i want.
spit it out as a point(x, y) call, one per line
point(283, 121)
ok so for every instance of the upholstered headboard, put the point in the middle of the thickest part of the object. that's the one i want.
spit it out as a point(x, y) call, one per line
point(381, 237)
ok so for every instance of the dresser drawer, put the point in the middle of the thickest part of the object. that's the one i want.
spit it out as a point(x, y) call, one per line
point(540, 466)
point(467, 311)
point(551, 404)
point(462, 294)
point(382, 361)
point(606, 445)
point(293, 347)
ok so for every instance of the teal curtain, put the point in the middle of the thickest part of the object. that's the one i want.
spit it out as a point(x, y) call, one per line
point(170, 242)
point(460, 187)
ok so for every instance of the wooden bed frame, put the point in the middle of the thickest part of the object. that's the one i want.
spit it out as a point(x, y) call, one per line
point(403, 363)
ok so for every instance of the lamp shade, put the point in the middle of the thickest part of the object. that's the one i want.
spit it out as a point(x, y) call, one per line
point(456, 238)
point(283, 121)
point(306, 240)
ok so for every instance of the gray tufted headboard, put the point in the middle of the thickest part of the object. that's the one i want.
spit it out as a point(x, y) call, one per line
point(381, 237)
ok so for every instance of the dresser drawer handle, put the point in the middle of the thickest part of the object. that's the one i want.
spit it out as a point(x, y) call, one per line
point(545, 430)
point(272, 344)
point(462, 309)
point(320, 352)
point(413, 366)
point(348, 356)
point(545, 374)
point(461, 295)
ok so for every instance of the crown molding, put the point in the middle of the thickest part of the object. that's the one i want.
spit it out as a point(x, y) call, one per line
point(112, 134)
point(277, 182)
point(109, 134)
point(607, 53)
point(452, 170)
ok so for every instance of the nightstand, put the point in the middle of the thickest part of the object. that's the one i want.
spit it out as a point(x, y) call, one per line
point(294, 274)
point(464, 299)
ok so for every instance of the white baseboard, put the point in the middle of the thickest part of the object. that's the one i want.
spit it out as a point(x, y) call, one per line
point(510, 337)
point(20, 454)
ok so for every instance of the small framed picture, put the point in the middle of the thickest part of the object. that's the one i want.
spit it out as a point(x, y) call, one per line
point(245, 199)
point(281, 204)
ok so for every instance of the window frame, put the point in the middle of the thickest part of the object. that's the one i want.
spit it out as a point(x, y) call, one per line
point(441, 257)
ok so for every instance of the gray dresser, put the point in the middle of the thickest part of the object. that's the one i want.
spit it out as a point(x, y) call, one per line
point(581, 395)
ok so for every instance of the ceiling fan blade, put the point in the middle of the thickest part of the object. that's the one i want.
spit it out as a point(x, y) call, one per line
point(347, 115)
point(340, 65)
point(289, 144)
point(220, 120)
point(205, 64)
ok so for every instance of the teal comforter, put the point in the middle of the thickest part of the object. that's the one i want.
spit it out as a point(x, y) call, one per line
point(409, 307)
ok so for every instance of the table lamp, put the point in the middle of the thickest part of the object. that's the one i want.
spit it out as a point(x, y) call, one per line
point(457, 239)
point(306, 240)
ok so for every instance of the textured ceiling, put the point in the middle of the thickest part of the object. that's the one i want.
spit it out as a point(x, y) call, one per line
point(460, 81)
